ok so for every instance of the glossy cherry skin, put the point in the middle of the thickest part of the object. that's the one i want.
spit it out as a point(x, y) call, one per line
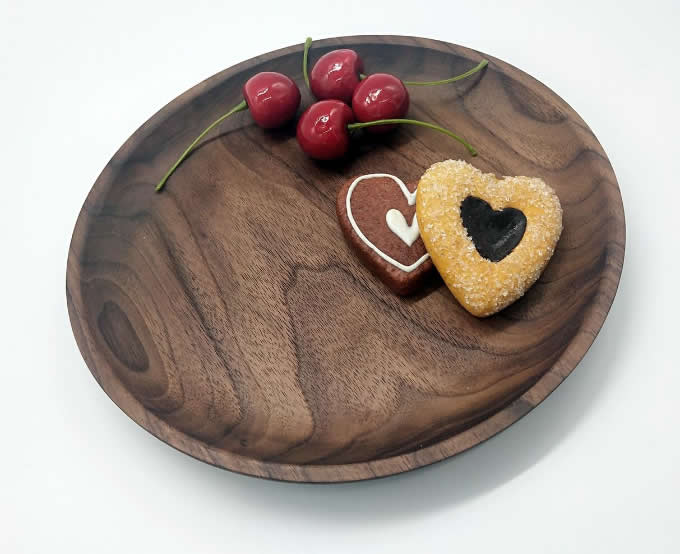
point(272, 98)
point(336, 75)
point(322, 129)
point(380, 96)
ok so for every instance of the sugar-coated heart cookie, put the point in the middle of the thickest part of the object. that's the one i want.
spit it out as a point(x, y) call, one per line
point(377, 215)
point(489, 238)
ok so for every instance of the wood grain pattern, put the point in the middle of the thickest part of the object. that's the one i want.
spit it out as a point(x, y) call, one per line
point(228, 317)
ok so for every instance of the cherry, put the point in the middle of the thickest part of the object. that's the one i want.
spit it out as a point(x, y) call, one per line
point(380, 96)
point(336, 74)
point(272, 98)
point(322, 130)
point(347, 66)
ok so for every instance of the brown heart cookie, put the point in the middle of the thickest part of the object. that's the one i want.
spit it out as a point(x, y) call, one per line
point(377, 215)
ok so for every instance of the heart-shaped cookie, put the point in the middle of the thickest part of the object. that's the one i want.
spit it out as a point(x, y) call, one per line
point(374, 212)
point(489, 238)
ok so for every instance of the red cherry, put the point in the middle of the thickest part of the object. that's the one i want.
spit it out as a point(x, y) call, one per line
point(272, 98)
point(380, 96)
point(322, 129)
point(336, 75)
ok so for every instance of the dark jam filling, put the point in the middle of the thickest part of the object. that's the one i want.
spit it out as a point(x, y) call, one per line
point(495, 233)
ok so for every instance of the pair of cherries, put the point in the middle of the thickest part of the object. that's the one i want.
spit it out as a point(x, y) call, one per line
point(378, 101)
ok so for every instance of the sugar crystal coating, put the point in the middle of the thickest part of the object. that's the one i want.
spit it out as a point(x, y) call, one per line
point(484, 287)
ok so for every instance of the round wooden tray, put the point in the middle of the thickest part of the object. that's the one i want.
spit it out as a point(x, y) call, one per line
point(229, 318)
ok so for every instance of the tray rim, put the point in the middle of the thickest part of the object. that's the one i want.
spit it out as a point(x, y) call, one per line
point(338, 473)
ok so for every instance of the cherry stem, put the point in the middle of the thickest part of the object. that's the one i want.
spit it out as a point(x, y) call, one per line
point(363, 124)
point(305, 56)
point(242, 105)
point(472, 71)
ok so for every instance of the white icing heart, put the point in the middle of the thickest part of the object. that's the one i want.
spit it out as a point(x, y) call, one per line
point(410, 198)
point(397, 224)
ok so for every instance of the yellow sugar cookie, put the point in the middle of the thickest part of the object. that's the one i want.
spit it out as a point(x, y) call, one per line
point(489, 238)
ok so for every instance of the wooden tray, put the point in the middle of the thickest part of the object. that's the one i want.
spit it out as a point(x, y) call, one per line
point(228, 317)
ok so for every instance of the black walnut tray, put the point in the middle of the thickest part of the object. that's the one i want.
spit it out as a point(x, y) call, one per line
point(228, 317)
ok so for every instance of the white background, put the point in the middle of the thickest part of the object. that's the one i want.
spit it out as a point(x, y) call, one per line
point(595, 468)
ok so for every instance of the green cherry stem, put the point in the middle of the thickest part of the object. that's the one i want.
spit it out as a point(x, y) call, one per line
point(305, 56)
point(242, 105)
point(363, 124)
point(481, 65)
